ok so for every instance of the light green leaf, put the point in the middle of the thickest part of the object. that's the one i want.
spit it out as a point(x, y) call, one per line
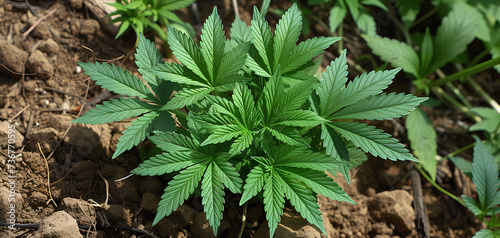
point(409, 11)
point(167, 163)
point(353, 6)
point(300, 157)
point(135, 133)
point(473, 205)
point(262, 38)
point(320, 183)
point(375, 3)
point(212, 44)
point(115, 110)
point(240, 31)
point(454, 34)
point(287, 34)
point(222, 134)
point(178, 74)
point(423, 140)
point(490, 122)
point(337, 15)
point(332, 83)
point(232, 62)
point(366, 23)
point(186, 97)
point(287, 135)
point(274, 200)
point(178, 190)
point(372, 140)
point(184, 49)
point(173, 142)
point(116, 79)
point(304, 201)
point(380, 107)
point(463, 165)
point(228, 173)
point(364, 86)
point(487, 233)
point(397, 53)
point(212, 193)
point(305, 51)
point(241, 143)
point(253, 184)
point(300, 118)
point(148, 56)
point(173, 5)
point(426, 55)
point(485, 177)
point(334, 144)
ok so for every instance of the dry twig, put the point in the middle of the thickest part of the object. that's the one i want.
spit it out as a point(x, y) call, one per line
point(38, 22)
point(48, 176)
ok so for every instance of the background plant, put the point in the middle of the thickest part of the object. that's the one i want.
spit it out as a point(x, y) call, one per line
point(143, 14)
point(256, 121)
point(484, 174)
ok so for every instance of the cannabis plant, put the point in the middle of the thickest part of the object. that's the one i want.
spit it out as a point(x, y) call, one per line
point(360, 15)
point(248, 117)
point(484, 174)
point(142, 14)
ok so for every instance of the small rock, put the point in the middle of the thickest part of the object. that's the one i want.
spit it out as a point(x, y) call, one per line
point(37, 198)
point(58, 225)
point(184, 215)
point(79, 209)
point(150, 202)
point(84, 171)
point(395, 208)
point(119, 214)
point(41, 31)
point(381, 228)
point(75, 4)
point(7, 50)
point(165, 228)
point(179, 234)
point(89, 141)
point(89, 27)
point(47, 138)
point(6, 234)
point(37, 63)
point(152, 185)
point(10, 209)
point(49, 47)
point(201, 228)
point(13, 136)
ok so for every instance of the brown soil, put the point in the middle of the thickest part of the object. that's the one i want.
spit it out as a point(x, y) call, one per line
point(42, 90)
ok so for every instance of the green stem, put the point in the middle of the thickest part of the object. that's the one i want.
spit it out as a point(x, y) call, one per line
point(472, 70)
point(424, 17)
point(478, 57)
point(424, 174)
point(341, 41)
point(458, 151)
point(440, 92)
point(481, 92)
point(243, 219)
point(321, 23)
point(459, 94)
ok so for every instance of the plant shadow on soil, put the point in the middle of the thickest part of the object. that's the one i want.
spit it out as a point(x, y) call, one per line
point(42, 92)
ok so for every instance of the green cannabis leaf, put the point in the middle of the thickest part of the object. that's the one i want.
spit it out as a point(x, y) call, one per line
point(250, 118)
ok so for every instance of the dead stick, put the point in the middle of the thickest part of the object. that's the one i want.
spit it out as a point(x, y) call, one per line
point(422, 220)
point(19, 113)
point(38, 22)
point(48, 175)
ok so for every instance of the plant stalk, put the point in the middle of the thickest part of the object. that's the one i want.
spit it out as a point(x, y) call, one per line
point(440, 92)
point(243, 219)
point(424, 174)
point(472, 70)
